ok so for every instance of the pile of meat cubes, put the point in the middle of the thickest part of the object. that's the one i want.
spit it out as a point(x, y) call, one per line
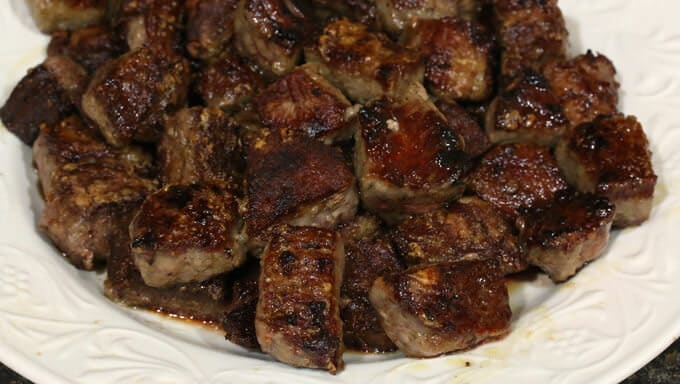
point(318, 175)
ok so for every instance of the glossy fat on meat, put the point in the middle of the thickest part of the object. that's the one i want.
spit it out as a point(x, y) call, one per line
point(187, 233)
point(462, 123)
point(432, 309)
point(396, 15)
point(57, 15)
point(209, 27)
point(91, 47)
point(298, 315)
point(610, 157)
point(228, 83)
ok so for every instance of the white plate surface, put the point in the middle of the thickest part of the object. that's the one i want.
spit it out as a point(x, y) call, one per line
point(607, 322)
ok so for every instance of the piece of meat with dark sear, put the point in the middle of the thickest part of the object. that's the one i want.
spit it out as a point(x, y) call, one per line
point(407, 159)
point(187, 233)
point(228, 83)
point(270, 33)
point(530, 33)
point(298, 315)
point(566, 234)
point(396, 15)
point(155, 24)
point(47, 94)
point(363, 64)
point(300, 182)
point(210, 26)
point(58, 15)
point(458, 57)
point(128, 97)
point(526, 110)
point(239, 317)
point(200, 145)
point(610, 157)
point(585, 85)
point(468, 229)
point(464, 125)
point(304, 103)
point(516, 176)
point(71, 141)
point(91, 47)
point(431, 309)
point(88, 201)
point(362, 11)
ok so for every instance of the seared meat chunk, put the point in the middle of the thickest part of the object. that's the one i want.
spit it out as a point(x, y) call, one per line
point(269, 32)
point(155, 24)
point(128, 97)
point(57, 15)
point(91, 47)
point(468, 229)
point(239, 318)
point(464, 125)
point(363, 11)
point(407, 159)
point(210, 26)
point(585, 85)
point(187, 233)
point(71, 141)
point(526, 110)
point(48, 93)
point(362, 64)
point(200, 145)
point(304, 103)
point(432, 309)
point(87, 202)
point(300, 182)
point(530, 33)
point(457, 55)
point(227, 83)
point(515, 176)
point(567, 234)
point(298, 317)
point(610, 156)
point(396, 15)
point(363, 226)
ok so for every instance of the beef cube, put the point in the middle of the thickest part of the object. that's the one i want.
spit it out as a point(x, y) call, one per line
point(200, 145)
point(228, 83)
point(57, 15)
point(210, 26)
point(464, 125)
point(71, 141)
point(363, 226)
point(457, 55)
point(297, 320)
point(304, 103)
point(129, 96)
point(396, 15)
point(530, 33)
point(269, 33)
point(239, 317)
point(432, 309)
point(565, 235)
point(47, 94)
point(155, 24)
point(610, 157)
point(301, 182)
point(362, 64)
point(90, 47)
point(526, 110)
point(88, 201)
point(187, 233)
point(517, 176)
point(468, 229)
point(585, 85)
point(363, 11)
point(407, 159)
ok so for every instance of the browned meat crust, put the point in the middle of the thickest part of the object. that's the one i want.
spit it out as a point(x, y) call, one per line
point(396, 15)
point(610, 156)
point(239, 317)
point(298, 316)
point(364, 65)
point(200, 145)
point(432, 309)
point(457, 55)
point(58, 15)
point(565, 235)
point(90, 47)
point(464, 125)
point(227, 83)
point(515, 176)
point(210, 26)
point(468, 229)
point(155, 24)
point(362, 11)
point(526, 110)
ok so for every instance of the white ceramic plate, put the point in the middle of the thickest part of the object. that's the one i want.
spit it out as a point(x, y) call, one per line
point(607, 322)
